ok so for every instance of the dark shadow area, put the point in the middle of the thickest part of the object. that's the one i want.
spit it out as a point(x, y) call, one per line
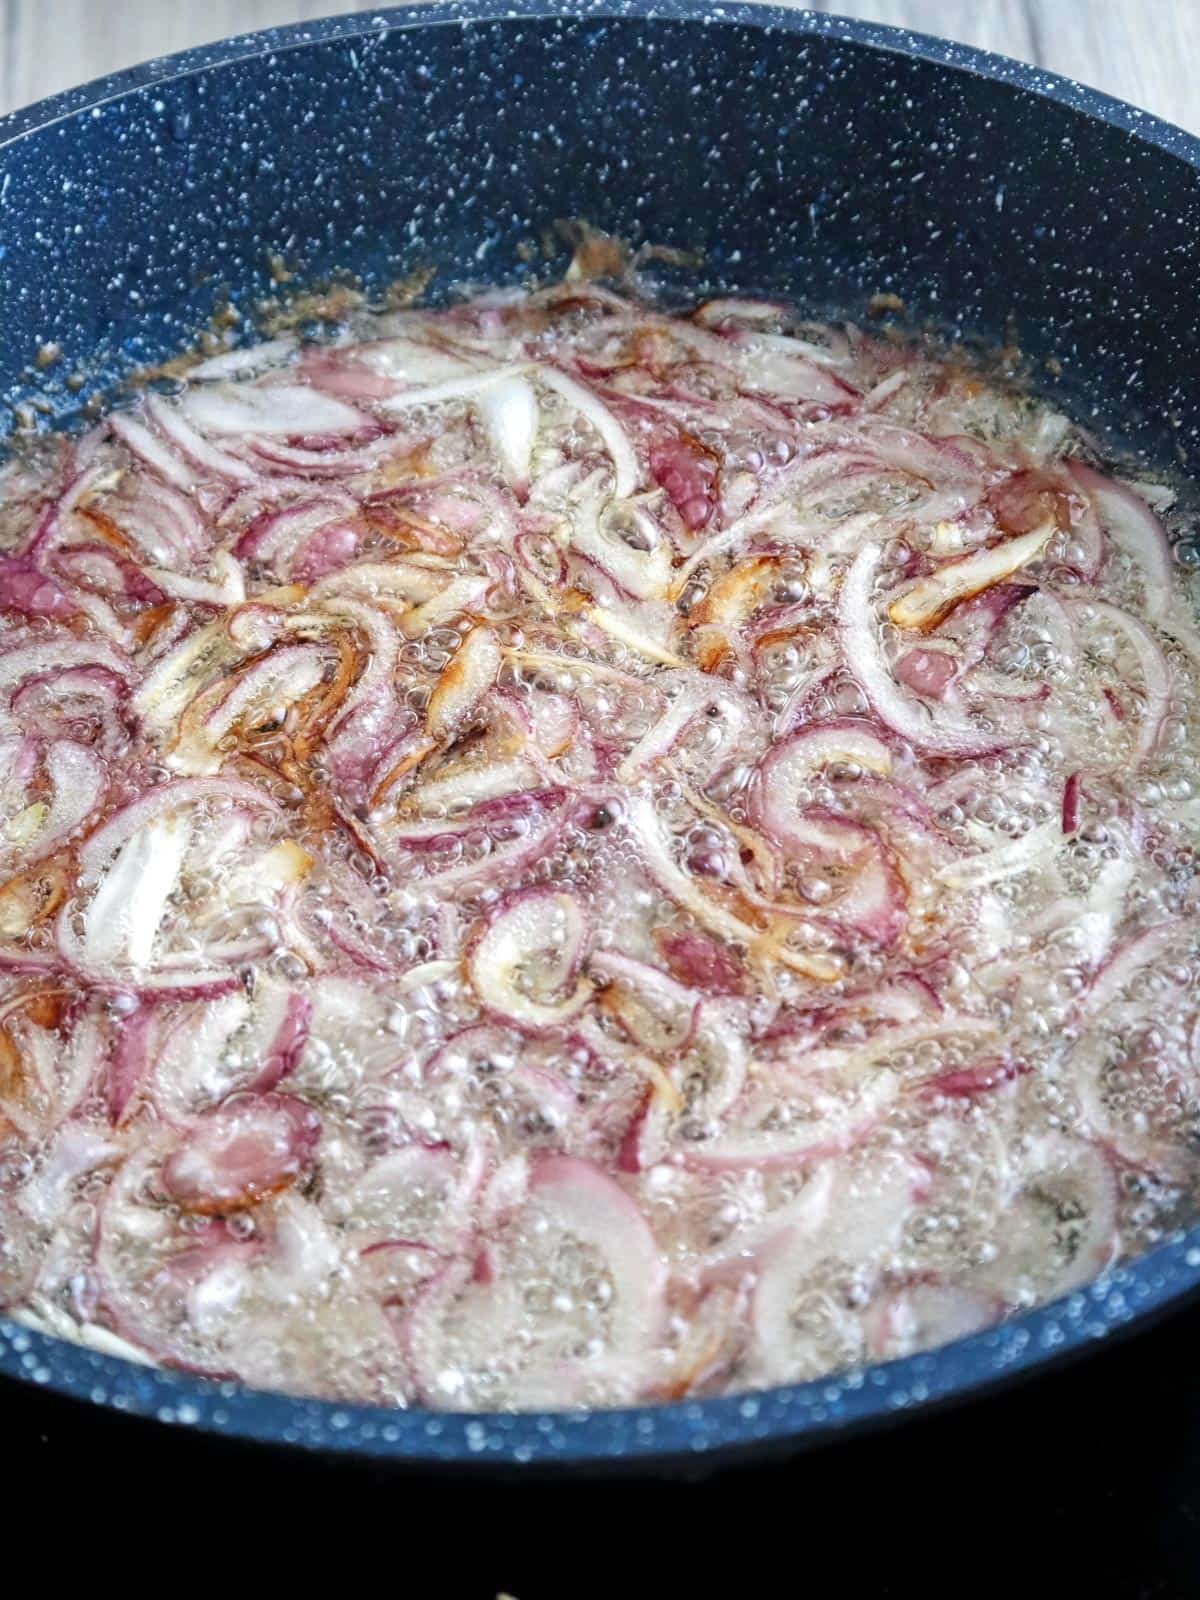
point(1085, 1482)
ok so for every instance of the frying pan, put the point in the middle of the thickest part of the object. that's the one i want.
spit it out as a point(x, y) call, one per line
point(804, 156)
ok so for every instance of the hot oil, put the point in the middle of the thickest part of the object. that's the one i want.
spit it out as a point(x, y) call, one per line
point(1013, 1093)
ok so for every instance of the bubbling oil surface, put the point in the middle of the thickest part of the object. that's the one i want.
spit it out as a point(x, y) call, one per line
point(479, 932)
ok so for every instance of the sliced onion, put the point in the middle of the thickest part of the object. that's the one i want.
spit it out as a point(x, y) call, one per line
point(875, 900)
point(276, 535)
point(329, 460)
point(528, 955)
point(730, 600)
point(230, 1045)
point(78, 783)
point(305, 1253)
point(122, 921)
point(947, 730)
point(700, 963)
point(280, 409)
point(552, 721)
point(689, 474)
point(284, 1018)
point(550, 811)
point(179, 675)
point(628, 632)
point(228, 589)
point(1036, 1254)
point(18, 764)
point(131, 1059)
point(1156, 673)
point(370, 720)
point(812, 681)
point(493, 1052)
point(1030, 851)
point(626, 472)
point(244, 363)
point(471, 786)
point(75, 1151)
point(1132, 525)
point(464, 681)
point(508, 409)
point(167, 525)
point(781, 368)
point(798, 1219)
point(44, 702)
point(401, 581)
point(193, 1066)
point(929, 672)
point(468, 385)
point(636, 555)
point(1070, 804)
point(723, 313)
point(971, 627)
point(259, 693)
point(328, 550)
point(388, 867)
point(25, 588)
point(1092, 922)
point(161, 802)
point(578, 1197)
point(463, 1326)
point(138, 439)
point(460, 595)
point(153, 1280)
point(924, 605)
point(921, 1316)
point(45, 661)
point(506, 1192)
point(682, 888)
point(171, 423)
point(844, 1121)
point(25, 900)
point(876, 398)
point(983, 684)
point(349, 916)
point(665, 1015)
point(1127, 961)
point(909, 998)
point(867, 1211)
point(418, 1194)
point(939, 459)
point(97, 568)
point(696, 696)
point(238, 1154)
point(414, 360)
point(789, 768)
point(966, 1082)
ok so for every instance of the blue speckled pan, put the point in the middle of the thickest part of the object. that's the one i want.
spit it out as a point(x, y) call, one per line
point(805, 156)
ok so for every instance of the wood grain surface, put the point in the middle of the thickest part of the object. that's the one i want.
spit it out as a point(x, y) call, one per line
point(1139, 50)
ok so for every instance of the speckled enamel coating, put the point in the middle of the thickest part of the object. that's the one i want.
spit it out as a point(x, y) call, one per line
point(806, 156)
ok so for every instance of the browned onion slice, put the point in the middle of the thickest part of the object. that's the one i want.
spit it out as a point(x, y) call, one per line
point(923, 606)
point(465, 679)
